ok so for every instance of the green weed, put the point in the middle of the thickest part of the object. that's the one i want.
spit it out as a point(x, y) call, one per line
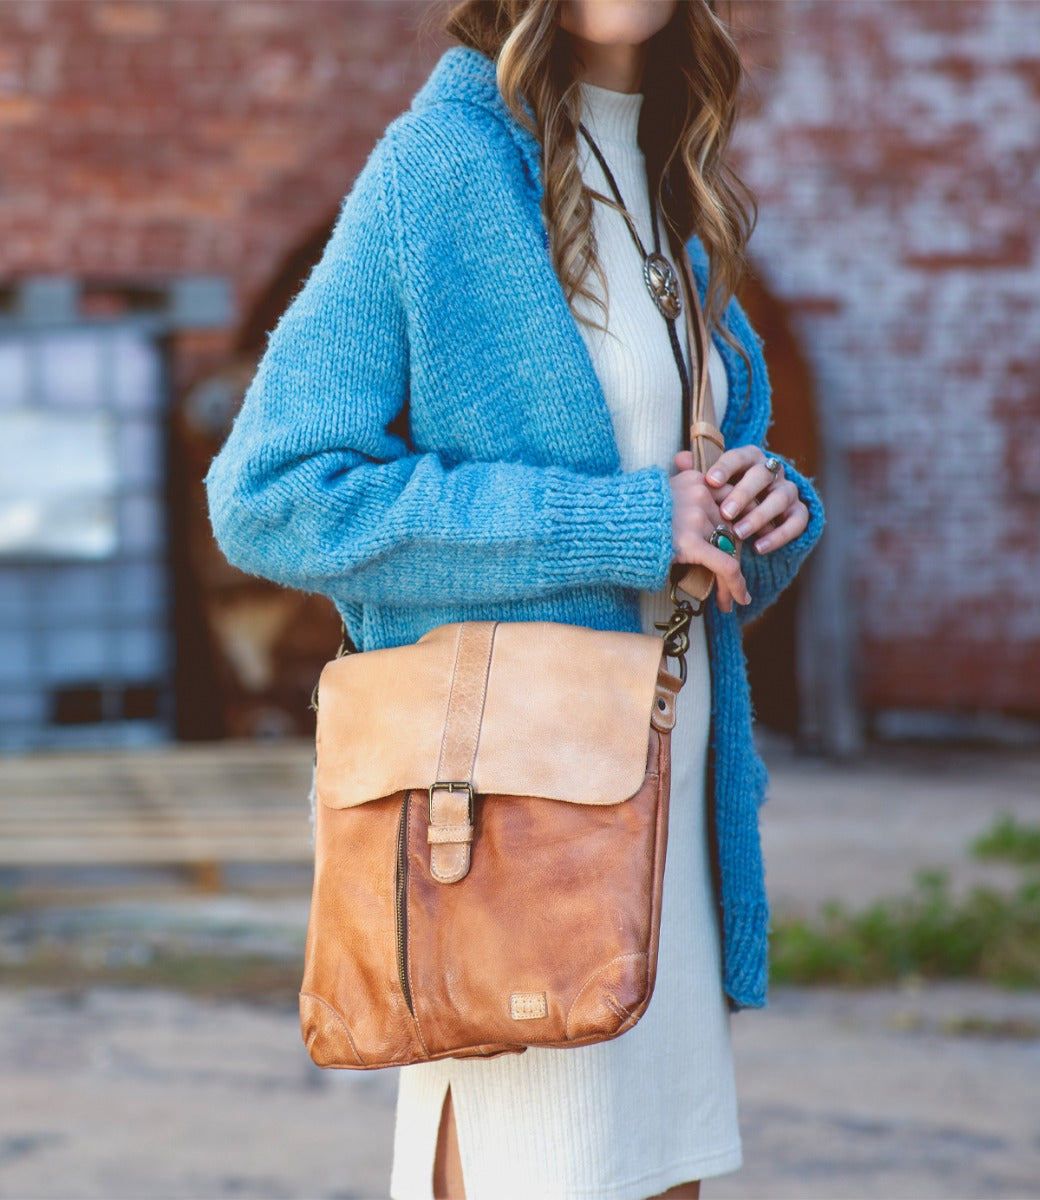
point(987, 934)
point(1008, 840)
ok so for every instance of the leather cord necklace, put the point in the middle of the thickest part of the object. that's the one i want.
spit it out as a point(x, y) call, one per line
point(659, 275)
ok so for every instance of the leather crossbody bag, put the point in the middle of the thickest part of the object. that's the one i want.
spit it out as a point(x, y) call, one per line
point(490, 831)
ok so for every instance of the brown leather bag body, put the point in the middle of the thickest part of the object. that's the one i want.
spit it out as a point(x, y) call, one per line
point(490, 830)
point(491, 823)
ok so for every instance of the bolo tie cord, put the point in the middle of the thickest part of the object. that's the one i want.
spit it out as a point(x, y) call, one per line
point(670, 322)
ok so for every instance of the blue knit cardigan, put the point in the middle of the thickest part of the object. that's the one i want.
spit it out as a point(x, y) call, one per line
point(426, 441)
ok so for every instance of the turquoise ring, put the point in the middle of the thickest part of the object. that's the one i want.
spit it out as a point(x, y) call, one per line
point(723, 537)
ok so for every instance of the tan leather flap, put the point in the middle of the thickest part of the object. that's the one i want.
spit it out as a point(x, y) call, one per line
point(559, 711)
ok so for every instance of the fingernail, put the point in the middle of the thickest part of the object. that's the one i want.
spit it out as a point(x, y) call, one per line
point(747, 597)
point(762, 545)
point(743, 529)
point(729, 509)
point(715, 476)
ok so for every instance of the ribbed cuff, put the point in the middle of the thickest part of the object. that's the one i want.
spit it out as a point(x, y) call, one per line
point(746, 942)
point(624, 530)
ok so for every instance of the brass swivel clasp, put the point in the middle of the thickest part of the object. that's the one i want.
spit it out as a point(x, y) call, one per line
point(676, 629)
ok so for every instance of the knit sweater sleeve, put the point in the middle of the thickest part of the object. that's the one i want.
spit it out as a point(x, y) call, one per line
point(316, 489)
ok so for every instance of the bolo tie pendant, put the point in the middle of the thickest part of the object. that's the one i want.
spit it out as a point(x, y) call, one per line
point(659, 275)
point(662, 282)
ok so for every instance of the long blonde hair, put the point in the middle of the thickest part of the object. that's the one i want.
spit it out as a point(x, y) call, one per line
point(691, 82)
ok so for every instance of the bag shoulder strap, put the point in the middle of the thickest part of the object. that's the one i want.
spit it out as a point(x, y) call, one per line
point(703, 424)
point(701, 433)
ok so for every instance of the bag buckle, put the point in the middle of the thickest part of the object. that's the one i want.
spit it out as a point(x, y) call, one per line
point(456, 786)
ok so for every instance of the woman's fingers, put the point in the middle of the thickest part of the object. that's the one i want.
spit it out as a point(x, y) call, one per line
point(734, 462)
point(693, 547)
point(729, 579)
point(694, 515)
point(756, 500)
point(690, 492)
point(743, 467)
point(724, 598)
point(711, 497)
point(775, 503)
point(794, 524)
point(754, 482)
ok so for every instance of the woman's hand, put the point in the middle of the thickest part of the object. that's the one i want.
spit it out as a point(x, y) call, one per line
point(695, 513)
point(753, 499)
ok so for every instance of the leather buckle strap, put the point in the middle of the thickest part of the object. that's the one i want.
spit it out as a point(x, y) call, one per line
point(450, 834)
point(451, 830)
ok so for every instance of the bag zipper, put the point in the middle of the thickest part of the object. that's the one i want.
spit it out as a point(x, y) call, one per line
point(401, 903)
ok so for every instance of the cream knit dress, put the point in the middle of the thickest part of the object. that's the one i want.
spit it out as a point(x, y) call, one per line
point(625, 1119)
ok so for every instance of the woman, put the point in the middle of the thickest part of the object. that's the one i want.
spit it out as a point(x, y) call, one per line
point(441, 430)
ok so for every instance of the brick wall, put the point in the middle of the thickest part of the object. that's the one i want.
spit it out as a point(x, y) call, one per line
point(168, 137)
point(894, 149)
point(147, 141)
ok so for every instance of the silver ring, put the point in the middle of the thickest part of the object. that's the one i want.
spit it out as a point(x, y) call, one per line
point(724, 539)
point(773, 465)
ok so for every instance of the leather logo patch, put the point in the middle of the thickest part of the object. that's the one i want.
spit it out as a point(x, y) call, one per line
point(528, 1006)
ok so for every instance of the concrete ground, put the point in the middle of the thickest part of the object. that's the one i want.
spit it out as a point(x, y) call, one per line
point(131, 1094)
point(910, 1092)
